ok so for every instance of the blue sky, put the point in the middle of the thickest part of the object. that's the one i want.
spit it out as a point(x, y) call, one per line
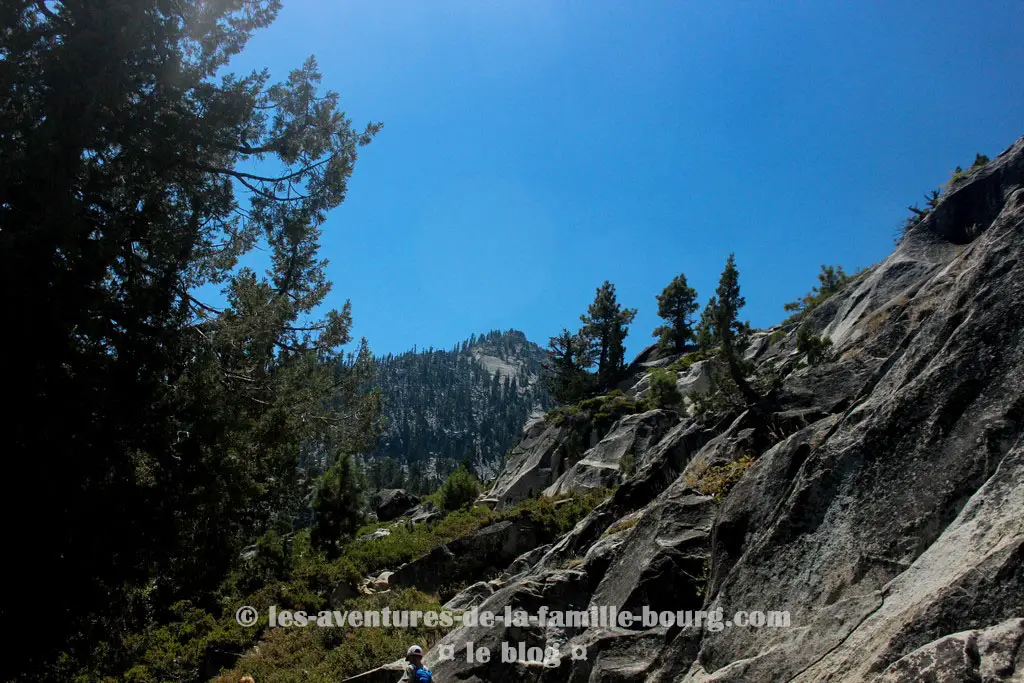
point(532, 150)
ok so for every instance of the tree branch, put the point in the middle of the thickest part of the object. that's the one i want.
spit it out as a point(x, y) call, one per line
point(50, 14)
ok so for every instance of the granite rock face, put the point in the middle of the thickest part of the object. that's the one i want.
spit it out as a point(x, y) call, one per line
point(884, 509)
point(602, 465)
point(483, 552)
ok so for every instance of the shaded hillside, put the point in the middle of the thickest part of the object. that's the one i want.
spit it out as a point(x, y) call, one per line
point(444, 406)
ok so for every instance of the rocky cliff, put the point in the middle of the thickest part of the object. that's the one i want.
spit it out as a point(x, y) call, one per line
point(881, 501)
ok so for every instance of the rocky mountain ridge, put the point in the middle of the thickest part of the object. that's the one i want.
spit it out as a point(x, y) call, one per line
point(880, 502)
point(444, 406)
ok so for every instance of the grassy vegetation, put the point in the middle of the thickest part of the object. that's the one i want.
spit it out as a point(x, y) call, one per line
point(717, 481)
point(291, 655)
point(572, 563)
point(409, 542)
point(622, 525)
point(687, 361)
point(601, 411)
point(628, 465)
point(663, 392)
point(198, 642)
point(958, 174)
point(552, 515)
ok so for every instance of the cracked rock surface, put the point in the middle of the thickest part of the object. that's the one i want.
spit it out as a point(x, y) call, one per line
point(884, 509)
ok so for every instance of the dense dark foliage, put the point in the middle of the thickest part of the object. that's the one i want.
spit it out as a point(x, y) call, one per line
point(459, 490)
point(570, 357)
point(160, 432)
point(446, 406)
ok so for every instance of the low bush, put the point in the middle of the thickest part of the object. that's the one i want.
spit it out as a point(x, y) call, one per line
point(200, 641)
point(290, 655)
point(459, 491)
point(407, 542)
point(601, 411)
point(816, 348)
point(663, 391)
point(555, 516)
point(717, 481)
point(684, 363)
point(628, 465)
point(831, 279)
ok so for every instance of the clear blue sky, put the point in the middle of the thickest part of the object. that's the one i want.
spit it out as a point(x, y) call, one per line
point(532, 150)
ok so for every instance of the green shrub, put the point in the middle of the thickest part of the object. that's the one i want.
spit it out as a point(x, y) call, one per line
point(555, 516)
point(830, 280)
point(663, 388)
point(724, 396)
point(196, 643)
point(959, 174)
point(611, 410)
point(459, 491)
point(563, 415)
point(601, 411)
point(816, 348)
point(717, 481)
point(628, 465)
point(684, 363)
point(407, 542)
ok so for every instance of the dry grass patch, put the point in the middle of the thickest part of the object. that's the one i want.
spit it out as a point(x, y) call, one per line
point(717, 481)
point(622, 525)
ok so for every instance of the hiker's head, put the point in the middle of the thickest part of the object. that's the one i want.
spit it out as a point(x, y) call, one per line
point(415, 654)
point(246, 679)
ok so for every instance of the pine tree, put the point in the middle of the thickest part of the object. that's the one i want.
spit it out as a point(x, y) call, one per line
point(606, 325)
point(122, 194)
point(731, 333)
point(705, 331)
point(337, 506)
point(676, 304)
point(570, 356)
point(830, 280)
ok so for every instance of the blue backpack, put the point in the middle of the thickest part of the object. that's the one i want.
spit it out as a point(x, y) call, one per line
point(422, 675)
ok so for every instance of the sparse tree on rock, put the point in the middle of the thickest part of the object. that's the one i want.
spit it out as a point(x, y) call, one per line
point(705, 331)
point(571, 355)
point(606, 324)
point(731, 333)
point(676, 304)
